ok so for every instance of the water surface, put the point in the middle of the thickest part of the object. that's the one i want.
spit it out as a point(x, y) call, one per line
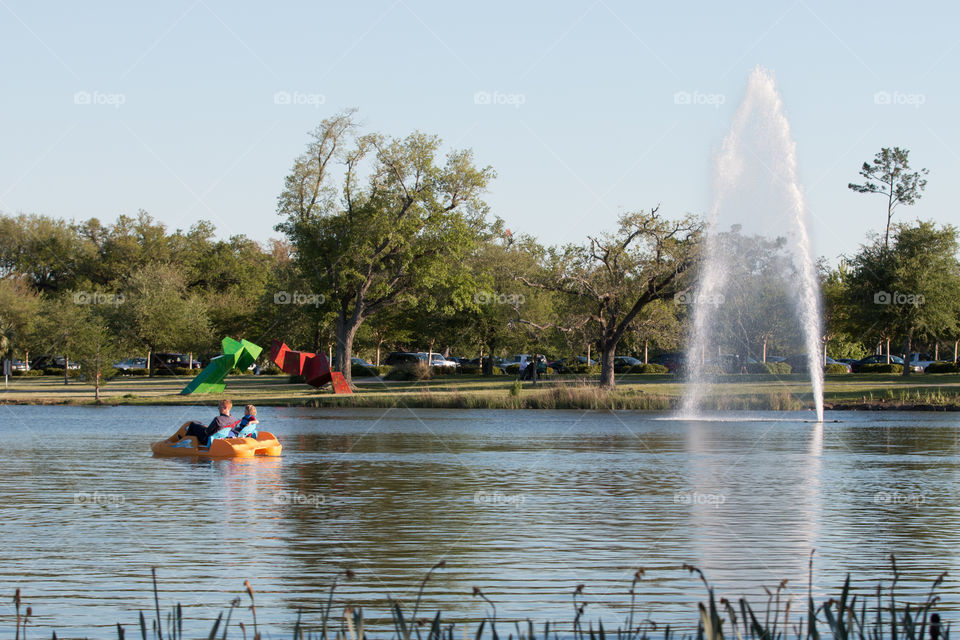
point(524, 505)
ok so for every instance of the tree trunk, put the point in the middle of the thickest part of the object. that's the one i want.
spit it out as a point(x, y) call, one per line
point(486, 364)
point(607, 380)
point(66, 369)
point(149, 363)
point(346, 331)
point(645, 344)
point(908, 347)
point(888, 350)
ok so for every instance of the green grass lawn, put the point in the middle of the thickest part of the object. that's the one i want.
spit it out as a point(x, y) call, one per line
point(634, 391)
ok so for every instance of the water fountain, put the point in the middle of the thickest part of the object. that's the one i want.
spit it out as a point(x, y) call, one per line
point(757, 252)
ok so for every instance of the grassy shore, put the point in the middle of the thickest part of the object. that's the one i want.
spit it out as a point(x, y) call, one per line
point(634, 392)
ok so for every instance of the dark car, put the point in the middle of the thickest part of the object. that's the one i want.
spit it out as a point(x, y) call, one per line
point(674, 362)
point(798, 363)
point(52, 362)
point(882, 359)
point(622, 364)
point(395, 358)
point(162, 361)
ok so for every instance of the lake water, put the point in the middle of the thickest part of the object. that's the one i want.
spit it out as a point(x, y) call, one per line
point(524, 505)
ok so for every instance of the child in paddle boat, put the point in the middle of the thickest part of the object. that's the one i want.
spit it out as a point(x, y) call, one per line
point(219, 427)
point(247, 428)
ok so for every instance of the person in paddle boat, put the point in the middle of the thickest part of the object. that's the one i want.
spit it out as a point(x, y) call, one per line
point(219, 428)
point(247, 428)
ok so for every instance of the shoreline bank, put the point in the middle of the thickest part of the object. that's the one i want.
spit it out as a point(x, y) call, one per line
point(641, 392)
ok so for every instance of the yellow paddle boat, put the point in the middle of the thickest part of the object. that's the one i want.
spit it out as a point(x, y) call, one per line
point(180, 444)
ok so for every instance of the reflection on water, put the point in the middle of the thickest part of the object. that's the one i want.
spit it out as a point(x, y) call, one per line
point(524, 505)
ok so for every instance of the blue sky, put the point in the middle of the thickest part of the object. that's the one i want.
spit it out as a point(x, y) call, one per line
point(172, 107)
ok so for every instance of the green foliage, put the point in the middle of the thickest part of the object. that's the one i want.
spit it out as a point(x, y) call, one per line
point(182, 372)
point(834, 369)
point(515, 388)
point(649, 368)
point(396, 235)
point(942, 367)
point(582, 368)
point(418, 371)
point(882, 367)
point(363, 371)
point(773, 368)
point(889, 175)
point(58, 371)
point(29, 374)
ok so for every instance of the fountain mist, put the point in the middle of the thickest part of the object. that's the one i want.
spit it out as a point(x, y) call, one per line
point(757, 202)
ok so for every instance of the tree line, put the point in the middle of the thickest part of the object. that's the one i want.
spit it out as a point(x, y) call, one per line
point(387, 244)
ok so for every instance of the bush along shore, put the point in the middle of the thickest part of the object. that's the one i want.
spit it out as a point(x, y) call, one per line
point(873, 615)
point(636, 392)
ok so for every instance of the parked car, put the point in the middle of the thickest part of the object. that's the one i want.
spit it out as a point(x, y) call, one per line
point(437, 360)
point(523, 360)
point(921, 360)
point(18, 365)
point(878, 359)
point(798, 363)
point(359, 362)
point(162, 360)
point(131, 363)
point(624, 363)
point(674, 362)
point(51, 362)
point(396, 358)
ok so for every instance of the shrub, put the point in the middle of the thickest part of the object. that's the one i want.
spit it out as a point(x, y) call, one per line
point(512, 369)
point(648, 368)
point(942, 367)
point(834, 368)
point(58, 371)
point(417, 371)
point(178, 371)
point(770, 368)
point(470, 369)
point(135, 372)
point(515, 388)
point(882, 367)
point(28, 374)
point(582, 368)
point(363, 371)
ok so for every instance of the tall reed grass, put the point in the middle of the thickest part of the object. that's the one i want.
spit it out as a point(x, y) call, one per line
point(879, 615)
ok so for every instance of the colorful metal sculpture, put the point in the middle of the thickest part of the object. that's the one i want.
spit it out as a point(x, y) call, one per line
point(237, 354)
point(314, 367)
